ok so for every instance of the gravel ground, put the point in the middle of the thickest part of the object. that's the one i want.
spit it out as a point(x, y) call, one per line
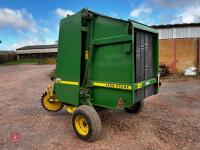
point(170, 120)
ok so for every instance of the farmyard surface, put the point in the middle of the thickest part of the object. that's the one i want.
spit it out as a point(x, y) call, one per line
point(170, 120)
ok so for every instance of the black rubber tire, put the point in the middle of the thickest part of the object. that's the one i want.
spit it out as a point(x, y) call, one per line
point(93, 120)
point(136, 108)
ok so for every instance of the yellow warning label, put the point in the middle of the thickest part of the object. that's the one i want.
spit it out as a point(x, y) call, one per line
point(114, 86)
point(86, 54)
point(139, 85)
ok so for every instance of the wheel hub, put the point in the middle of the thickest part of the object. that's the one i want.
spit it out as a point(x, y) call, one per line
point(81, 125)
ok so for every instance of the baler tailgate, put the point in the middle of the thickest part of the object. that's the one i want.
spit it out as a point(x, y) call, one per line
point(144, 62)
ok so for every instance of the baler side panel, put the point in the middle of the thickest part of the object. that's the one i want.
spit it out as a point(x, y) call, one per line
point(69, 59)
point(111, 63)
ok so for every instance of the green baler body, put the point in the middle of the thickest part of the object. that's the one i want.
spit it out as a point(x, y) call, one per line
point(111, 62)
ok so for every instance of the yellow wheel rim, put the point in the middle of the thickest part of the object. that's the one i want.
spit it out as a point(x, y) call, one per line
point(52, 106)
point(81, 125)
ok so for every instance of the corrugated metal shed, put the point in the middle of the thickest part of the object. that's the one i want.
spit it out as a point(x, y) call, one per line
point(38, 47)
point(178, 31)
point(34, 49)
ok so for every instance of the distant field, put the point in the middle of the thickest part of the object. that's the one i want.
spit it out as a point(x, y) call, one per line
point(31, 61)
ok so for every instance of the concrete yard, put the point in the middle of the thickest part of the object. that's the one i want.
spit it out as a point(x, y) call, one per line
point(170, 120)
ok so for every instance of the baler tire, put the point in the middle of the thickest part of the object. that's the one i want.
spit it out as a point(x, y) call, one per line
point(89, 128)
point(136, 108)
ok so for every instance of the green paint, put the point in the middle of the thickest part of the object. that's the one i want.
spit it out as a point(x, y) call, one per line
point(144, 83)
point(110, 46)
point(69, 59)
point(112, 40)
point(144, 27)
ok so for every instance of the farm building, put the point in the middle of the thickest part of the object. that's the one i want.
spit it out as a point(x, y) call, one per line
point(6, 56)
point(36, 51)
point(179, 46)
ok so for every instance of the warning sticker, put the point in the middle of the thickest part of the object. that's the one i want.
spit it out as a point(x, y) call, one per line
point(112, 85)
point(139, 85)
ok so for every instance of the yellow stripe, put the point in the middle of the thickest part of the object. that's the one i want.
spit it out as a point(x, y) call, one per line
point(114, 86)
point(67, 82)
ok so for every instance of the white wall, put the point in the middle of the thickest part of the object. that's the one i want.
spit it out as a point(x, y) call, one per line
point(179, 32)
point(34, 51)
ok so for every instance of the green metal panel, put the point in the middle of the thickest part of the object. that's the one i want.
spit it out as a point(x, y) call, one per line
point(143, 84)
point(109, 73)
point(143, 27)
point(113, 39)
point(69, 59)
point(111, 61)
point(104, 27)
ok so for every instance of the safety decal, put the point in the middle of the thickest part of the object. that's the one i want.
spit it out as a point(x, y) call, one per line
point(114, 86)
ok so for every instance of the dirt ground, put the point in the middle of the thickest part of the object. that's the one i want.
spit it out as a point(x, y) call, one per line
point(170, 120)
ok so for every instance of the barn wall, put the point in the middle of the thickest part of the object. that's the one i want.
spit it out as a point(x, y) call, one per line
point(166, 53)
point(6, 57)
point(199, 55)
point(179, 32)
point(179, 53)
point(186, 53)
point(36, 55)
point(37, 51)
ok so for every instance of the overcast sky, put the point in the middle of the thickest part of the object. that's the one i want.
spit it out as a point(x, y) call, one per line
point(29, 22)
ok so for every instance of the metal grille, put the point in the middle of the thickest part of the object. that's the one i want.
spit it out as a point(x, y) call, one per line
point(144, 62)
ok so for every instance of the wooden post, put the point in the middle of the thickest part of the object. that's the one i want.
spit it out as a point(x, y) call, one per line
point(174, 53)
point(199, 53)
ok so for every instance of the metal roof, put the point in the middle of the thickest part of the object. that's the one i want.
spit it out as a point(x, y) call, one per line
point(176, 25)
point(38, 47)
